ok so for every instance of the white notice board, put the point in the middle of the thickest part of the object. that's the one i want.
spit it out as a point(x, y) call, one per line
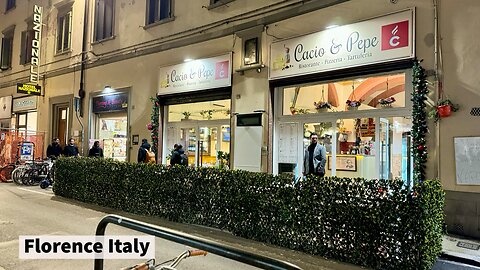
point(287, 142)
point(467, 160)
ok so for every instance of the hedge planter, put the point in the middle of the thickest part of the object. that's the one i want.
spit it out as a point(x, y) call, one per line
point(373, 223)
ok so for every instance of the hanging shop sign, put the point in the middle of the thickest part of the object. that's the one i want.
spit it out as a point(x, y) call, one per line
point(199, 74)
point(110, 103)
point(384, 39)
point(36, 42)
point(6, 107)
point(24, 104)
point(29, 89)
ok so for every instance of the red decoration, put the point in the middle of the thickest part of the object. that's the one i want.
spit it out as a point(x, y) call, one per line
point(444, 110)
point(149, 126)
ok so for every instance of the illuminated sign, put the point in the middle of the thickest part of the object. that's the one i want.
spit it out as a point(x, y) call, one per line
point(29, 89)
point(24, 104)
point(384, 39)
point(118, 102)
point(208, 73)
point(36, 41)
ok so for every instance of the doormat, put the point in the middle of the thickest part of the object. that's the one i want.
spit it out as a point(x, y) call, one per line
point(466, 245)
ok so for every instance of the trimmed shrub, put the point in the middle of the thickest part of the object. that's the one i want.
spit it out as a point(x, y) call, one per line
point(372, 223)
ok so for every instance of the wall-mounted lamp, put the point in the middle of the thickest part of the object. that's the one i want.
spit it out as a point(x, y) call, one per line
point(107, 89)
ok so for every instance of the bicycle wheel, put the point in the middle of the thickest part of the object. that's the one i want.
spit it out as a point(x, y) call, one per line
point(17, 175)
point(6, 173)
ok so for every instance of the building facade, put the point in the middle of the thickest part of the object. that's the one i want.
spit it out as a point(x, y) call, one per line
point(253, 79)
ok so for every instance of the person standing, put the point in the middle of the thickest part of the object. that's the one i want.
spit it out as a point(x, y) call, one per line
point(178, 156)
point(96, 150)
point(70, 150)
point(142, 151)
point(54, 150)
point(315, 157)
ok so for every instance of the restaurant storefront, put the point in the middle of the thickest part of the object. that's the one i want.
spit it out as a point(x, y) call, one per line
point(351, 86)
point(195, 100)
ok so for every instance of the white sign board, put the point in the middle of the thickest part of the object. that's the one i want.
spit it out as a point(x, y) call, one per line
point(467, 160)
point(26, 151)
point(288, 143)
point(196, 75)
point(379, 40)
point(24, 104)
point(6, 107)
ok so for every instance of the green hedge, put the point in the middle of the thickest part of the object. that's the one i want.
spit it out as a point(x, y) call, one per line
point(372, 223)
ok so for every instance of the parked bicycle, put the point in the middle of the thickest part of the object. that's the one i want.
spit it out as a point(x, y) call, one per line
point(167, 265)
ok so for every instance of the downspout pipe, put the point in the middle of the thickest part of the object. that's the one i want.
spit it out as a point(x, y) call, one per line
point(81, 90)
point(438, 85)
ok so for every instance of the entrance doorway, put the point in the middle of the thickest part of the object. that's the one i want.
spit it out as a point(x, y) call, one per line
point(206, 144)
point(61, 122)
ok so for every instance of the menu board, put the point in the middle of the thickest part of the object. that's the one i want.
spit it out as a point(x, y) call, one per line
point(120, 149)
point(467, 155)
point(108, 148)
point(288, 142)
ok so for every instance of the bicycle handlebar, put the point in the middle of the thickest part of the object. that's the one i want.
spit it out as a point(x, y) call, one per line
point(197, 252)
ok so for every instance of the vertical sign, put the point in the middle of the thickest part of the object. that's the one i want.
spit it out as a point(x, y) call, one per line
point(36, 41)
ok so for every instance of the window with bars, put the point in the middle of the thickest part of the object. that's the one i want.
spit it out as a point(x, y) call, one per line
point(64, 31)
point(104, 19)
point(7, 49)
point(10, 5)
point(158, 10)
point(26, 45)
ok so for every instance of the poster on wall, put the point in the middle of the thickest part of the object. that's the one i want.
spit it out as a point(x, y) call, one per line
point(467, 155)
point(287, 143)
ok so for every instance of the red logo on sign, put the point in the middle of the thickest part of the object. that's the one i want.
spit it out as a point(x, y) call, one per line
point(395, 35)
point(221, 70)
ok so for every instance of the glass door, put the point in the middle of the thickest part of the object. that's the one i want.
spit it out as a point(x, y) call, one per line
point(188, 139)
point(207, 147)
point(384, 140)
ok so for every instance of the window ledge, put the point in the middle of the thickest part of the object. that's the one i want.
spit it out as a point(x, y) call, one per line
point(167, 20)
point(63, 53)
point(101, 41)
point(219, 4)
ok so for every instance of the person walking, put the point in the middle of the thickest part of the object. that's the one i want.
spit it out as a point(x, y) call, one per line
point(70, 150)
point(315, 157)
point(54, 150)
point(178, 156)
point(142, 151)
point(96, 150)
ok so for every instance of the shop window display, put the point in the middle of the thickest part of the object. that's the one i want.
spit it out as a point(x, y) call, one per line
point(201, 111)
point(379, 92)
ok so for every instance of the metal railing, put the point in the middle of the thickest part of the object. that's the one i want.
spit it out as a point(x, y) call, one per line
point(259, 261)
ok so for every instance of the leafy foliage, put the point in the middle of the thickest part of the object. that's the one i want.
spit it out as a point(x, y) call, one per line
point(155, 124)
point(419, 128)
point(373, 223)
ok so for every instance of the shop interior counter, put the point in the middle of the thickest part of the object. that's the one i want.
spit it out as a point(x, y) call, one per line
point(353, 166)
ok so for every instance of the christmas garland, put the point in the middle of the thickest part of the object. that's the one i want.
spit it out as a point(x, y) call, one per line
point(154, 125)
point(419, 128)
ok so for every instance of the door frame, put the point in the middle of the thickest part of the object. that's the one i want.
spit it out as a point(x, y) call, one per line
point(55, 103)
point(196, 124)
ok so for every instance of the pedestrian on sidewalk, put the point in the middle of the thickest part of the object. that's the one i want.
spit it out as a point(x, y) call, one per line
point(315, 157)
point(70, 150)
point(54, 150)
point(178, 156)
point(96, 150)
point(142, 151)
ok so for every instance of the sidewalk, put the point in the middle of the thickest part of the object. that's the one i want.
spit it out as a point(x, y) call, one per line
point(462, 248)
point(305, 261)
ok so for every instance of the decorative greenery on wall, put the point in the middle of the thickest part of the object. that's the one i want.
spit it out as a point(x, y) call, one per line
point(154, 125)
point(373, 223)
point(419, 128)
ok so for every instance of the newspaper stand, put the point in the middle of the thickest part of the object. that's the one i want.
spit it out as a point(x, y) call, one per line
point(255, 260)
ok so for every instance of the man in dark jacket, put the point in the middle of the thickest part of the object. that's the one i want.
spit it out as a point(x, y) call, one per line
point(178, 156)
point(142, 151)
point(70, 150)
point(96, 151)
point(54, 150)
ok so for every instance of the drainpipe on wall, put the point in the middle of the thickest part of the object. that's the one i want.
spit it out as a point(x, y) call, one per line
point(81, 91)
point(438, 86)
